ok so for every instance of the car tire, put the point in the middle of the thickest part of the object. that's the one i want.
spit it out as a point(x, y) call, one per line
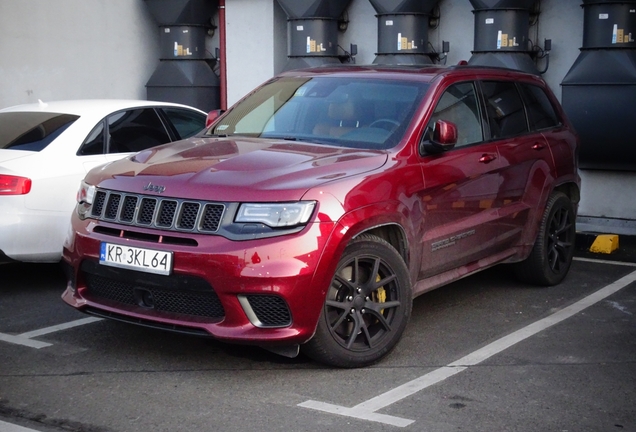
point(551, 256)
point(367, 306)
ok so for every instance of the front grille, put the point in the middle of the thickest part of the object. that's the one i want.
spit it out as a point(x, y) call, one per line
point(189, 215)
point(128, 211)
point(196, 303)
point(98, 204)
point(167, 210)
point(146, 211)
point(211, 215)
point(272, 311)
point(155, 212)
point(112, 206)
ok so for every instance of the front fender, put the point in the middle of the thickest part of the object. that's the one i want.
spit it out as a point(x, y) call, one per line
point(360, 221)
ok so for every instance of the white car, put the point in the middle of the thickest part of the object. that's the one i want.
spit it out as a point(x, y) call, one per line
point(47, 148)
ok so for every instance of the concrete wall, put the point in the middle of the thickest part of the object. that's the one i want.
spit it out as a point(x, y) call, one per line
point(561, 21)
point(362, 31)
point(109, 48)
point(67, 49)
point(607, 202)
point(256, 44)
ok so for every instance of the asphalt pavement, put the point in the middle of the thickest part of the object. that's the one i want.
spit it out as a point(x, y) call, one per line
point(485, 353)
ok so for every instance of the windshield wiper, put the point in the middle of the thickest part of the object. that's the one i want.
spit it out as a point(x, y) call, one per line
point(280, 137)
point(222, 135)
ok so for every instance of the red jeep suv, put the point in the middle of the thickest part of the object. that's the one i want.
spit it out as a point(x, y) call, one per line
point(310, 214)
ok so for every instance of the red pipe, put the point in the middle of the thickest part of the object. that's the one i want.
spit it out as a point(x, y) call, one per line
point(222, 66)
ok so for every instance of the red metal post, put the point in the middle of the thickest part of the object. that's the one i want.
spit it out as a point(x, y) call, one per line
point(222, 66)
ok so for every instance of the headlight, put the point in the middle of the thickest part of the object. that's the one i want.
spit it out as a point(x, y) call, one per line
point(85, 197)
point(276, 215)
point(86, 193)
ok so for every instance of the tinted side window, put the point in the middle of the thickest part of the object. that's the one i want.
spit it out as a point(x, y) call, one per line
point(94, 142)
point(135, 130)
point(506, 115)
point(459, 105)
point(187, 123)
point(32, 131)
point(541, 114)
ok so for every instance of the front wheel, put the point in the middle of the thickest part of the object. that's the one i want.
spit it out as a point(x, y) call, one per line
point(553, 250)
point(367, 306)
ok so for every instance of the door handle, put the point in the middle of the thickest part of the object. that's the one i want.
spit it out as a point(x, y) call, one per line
point(538, 146)
point(487, 158)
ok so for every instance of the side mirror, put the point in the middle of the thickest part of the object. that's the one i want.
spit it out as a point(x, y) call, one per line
point(442, 138)
point(212, 116)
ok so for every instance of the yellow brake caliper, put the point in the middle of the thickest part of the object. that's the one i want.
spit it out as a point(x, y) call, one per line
point(379, 295)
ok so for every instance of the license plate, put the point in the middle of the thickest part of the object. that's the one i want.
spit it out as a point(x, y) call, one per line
point(146, 260)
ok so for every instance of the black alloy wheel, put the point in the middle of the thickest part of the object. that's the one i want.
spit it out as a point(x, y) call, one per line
point(367, 306)
point(551, 256)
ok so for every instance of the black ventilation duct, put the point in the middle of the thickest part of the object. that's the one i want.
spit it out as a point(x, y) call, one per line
point(599, 91)
point(183, 75)
point(502, 29)
point(403, 31)
point(312, 31)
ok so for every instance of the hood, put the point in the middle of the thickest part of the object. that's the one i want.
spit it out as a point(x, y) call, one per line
point(235, 169)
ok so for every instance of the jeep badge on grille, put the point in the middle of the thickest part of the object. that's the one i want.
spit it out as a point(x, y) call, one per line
point(154, 188)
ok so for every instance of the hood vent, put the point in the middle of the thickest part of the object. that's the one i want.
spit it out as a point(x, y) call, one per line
point(312, 31)
point(599, 91)
point(502, 29)
point(183, 75)
point(403, 31)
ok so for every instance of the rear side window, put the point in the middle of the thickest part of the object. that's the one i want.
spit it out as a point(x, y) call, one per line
point(32, 131)
point(186, 123)
point(541, 113)
point(94, 143)
point(504, 106)
point(135, 130)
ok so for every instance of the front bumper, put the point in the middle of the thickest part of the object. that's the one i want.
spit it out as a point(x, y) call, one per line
point(264, 292)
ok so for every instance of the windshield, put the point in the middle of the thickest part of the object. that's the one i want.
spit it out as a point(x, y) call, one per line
point(341, 111)
point(32, 131)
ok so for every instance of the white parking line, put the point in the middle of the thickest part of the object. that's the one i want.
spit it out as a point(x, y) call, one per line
point(8, 427)
point(26, 338)
point(56, 328)
point(367, 410)
point(23, 341)
point(593, 260)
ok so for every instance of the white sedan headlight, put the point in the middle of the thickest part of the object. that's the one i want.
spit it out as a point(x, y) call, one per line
point(276, 215)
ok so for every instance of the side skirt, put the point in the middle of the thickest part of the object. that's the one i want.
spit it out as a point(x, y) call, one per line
point(429, 284)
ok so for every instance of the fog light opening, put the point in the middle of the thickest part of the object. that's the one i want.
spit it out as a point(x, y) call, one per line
point(144, 298)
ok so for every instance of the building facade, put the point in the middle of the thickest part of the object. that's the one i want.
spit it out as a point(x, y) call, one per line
point(71, 49)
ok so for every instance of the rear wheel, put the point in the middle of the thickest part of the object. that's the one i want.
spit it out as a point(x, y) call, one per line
point(367, 306)
point(552, 253)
